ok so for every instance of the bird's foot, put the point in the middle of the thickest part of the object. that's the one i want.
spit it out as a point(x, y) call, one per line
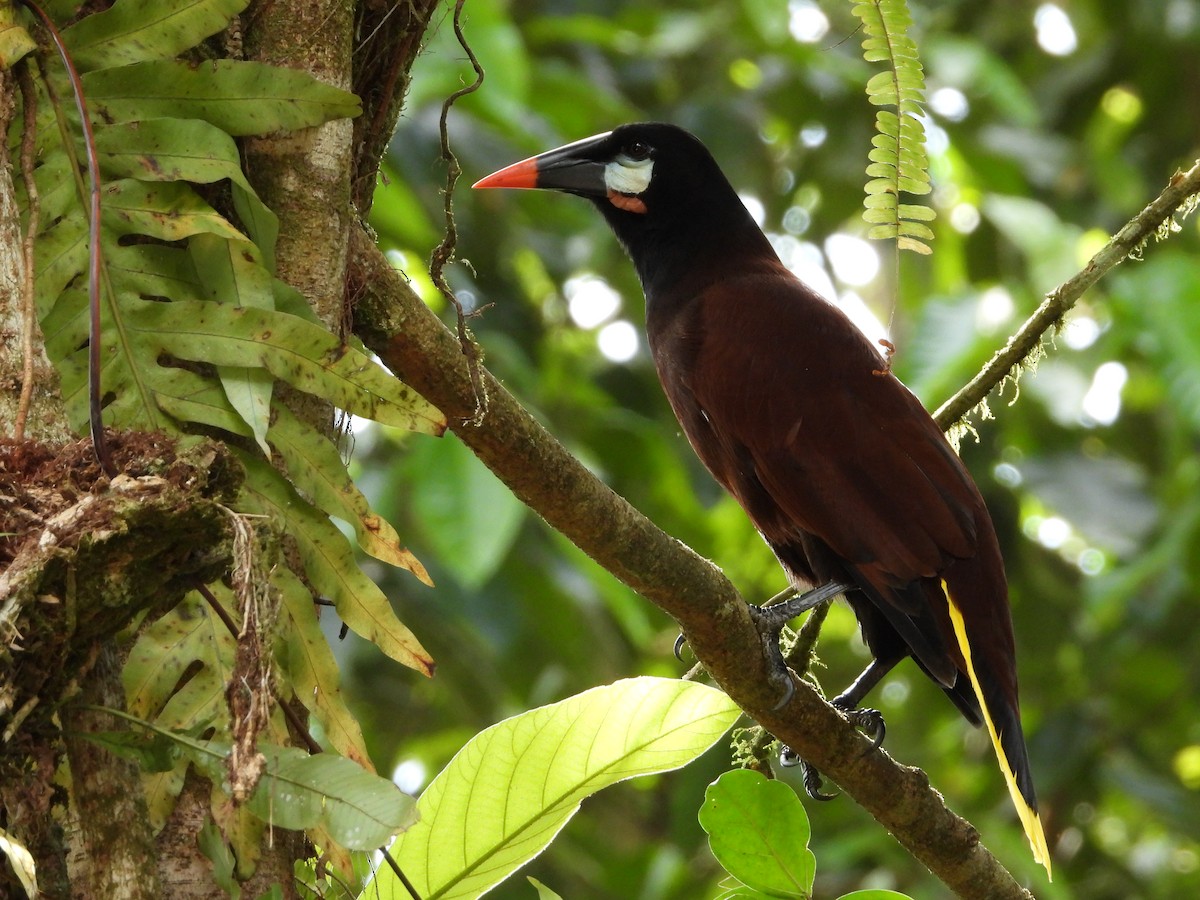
point(868, 721)
point(770, 618)
point(808, 773)
point(779, 610)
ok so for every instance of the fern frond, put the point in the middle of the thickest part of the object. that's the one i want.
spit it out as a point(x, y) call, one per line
point(899, 164)
point(195, 329)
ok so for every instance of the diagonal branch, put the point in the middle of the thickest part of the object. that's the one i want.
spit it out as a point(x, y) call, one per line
point(417, 346)
point(1180, 194)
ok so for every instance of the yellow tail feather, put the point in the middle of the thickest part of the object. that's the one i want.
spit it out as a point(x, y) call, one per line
point(1030, 820)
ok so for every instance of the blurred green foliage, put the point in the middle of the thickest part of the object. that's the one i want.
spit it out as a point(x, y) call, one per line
point(1047, 132)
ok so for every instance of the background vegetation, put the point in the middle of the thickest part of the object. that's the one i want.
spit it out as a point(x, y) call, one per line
point(1050, 126)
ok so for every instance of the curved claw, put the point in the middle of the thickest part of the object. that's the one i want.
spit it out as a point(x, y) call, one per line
point(812, 783)
point(678, 648)
point(789, 692)
point(809, 774)
point(870, 722)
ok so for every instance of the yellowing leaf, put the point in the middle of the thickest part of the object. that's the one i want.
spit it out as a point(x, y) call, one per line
point(315, 467)
point(330, 565)
point(313, 672)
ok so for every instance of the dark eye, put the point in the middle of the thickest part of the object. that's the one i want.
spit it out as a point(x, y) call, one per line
point(637, 151)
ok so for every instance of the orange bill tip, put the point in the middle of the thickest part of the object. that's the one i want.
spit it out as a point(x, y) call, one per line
point(523, 174)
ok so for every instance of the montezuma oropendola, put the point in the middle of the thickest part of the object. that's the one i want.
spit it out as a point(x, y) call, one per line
point(793, 411)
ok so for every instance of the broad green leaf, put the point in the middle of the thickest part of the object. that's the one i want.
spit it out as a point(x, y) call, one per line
point(131, 31)
point(330, 565)
point(298, 791)
point(759, 832)
point(316, 468)
point(169, 150)
point(359, 810)
point(231, 272)
point(312, 670)
point(510, 790)
point(302, 354)
point(241, 98)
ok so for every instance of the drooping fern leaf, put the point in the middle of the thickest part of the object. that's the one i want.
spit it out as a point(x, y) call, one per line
point(899, 164)
point(196, 328)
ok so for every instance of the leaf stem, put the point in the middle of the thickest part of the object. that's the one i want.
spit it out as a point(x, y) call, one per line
point(444, 252)
point(95, 416)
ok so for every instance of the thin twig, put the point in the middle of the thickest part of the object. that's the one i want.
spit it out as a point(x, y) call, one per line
point(94, 344)
point(444, 252)
point(1179, 193)
point(29, 312)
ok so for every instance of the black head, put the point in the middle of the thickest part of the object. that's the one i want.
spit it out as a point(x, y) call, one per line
point(658, 187)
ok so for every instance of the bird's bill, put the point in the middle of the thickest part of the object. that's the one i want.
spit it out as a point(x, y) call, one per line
point(572, 168)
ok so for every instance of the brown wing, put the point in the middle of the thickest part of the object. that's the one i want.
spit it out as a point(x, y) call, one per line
point(776, 392)
point(783, 382)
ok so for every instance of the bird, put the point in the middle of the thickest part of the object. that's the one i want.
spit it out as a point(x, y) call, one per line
point(795, 413)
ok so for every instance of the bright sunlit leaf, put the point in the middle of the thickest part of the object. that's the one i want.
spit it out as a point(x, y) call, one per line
point(511, 789)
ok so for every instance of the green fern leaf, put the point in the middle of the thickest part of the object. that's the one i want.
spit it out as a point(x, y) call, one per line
point(330, 566)
point(898, 162)
point(313, 671)
point(195, 328)
point(241, 98)
point(136, 30)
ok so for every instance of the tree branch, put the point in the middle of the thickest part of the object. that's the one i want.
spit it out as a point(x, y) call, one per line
point(417, 346)
point(1180, 192)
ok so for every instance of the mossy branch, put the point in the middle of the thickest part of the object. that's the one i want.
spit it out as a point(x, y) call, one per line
point(1159, 219)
